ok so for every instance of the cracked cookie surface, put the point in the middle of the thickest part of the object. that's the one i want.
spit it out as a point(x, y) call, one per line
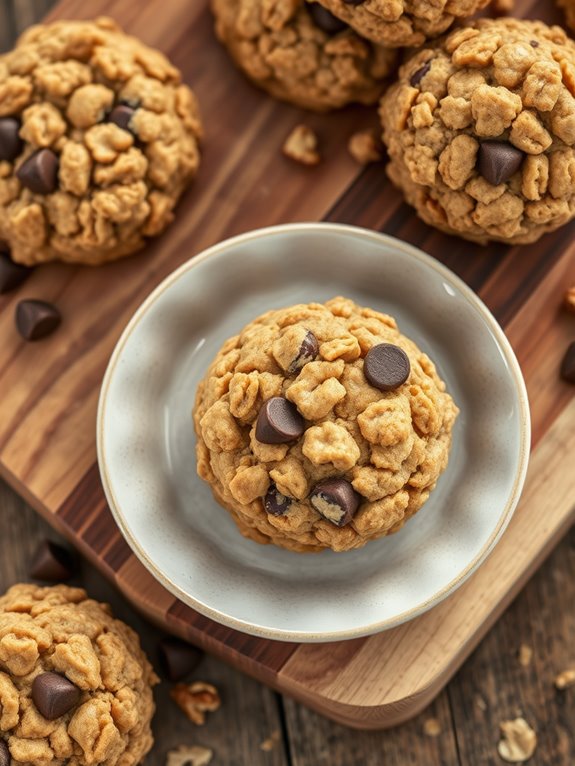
point(357, 460)
point(285, 51)
point(59, 630)
point(107, 140)
point(481, 131)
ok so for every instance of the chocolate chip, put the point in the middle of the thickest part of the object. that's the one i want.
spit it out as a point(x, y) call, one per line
point(39, 172)
point(54, 695)
point(336, 500)
point(52, 562)
point(418, 75)
point(307, 353)
point(326, 20)
point(275, 503)
point(178, 658)
point(534, 43)
point(498, 160)
point(279, 422)
point(568, 364)
point(36, 319)
point(121, 116)
point(10, 142)
point(11, 274)
point(5, 757)
point(386, 366)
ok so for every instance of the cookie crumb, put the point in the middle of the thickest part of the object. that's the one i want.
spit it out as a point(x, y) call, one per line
point(569, 300)
point(365, 147)
point(189, 756)
point(302, 146)
point(268, 744)
point(196, 699)
point(480, 702)
point(502, 7)
point(565, 679)
point(518, 741)
point(525, 655)
point(432, 727)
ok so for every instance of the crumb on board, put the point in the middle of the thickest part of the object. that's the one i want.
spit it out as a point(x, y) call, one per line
point(518, 741)
point(565, 679)
point(302, 146)
point(196, 699)
point(268, 744)
point(525, 655)
point(432, 727)
point(189, 756)
point(365, 147)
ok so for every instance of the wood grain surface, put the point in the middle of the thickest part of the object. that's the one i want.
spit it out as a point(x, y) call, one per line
point(49, 393)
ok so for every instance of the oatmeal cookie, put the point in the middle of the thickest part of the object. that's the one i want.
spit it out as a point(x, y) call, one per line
point(322, 426)
point(399, 23)
point(481, 131)
point(98, 139)
point(300, 53)
point(75, 686)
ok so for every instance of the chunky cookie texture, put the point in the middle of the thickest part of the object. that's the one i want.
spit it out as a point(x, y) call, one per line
point(75, 686)
point(301, 448)
point(98, 139)
point(401, 22)
point(481, 131)
point(300, 53)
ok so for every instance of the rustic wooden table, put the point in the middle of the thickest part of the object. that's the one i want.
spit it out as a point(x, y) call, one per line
point(492, 686)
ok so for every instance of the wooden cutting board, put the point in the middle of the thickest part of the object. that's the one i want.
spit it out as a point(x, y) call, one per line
point(49, 390)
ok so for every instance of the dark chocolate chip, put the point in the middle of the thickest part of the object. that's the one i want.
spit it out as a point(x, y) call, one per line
point(307, 353)
point(386, 366)
point(568, 364)
point(121, 116)
point(10, 142)
point(534, 43)
point(52, 562)
point(54, 695)
point(11, 274)
point(275, 503)
point(419, 74)
point(336, 500)
point(39, 172)
point(36, 319)
point(326, 20)
point(178, 658)
point(498, 161)
point(279, 422)
point(5, 757)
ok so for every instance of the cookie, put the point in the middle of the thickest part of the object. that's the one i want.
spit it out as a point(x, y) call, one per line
point(300, 53)
point(481, 131)
point(399, 23)
point(322, 426)
point(75, 686)
point(98, 139)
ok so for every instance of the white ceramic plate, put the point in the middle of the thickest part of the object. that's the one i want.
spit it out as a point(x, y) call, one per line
point(167, 514)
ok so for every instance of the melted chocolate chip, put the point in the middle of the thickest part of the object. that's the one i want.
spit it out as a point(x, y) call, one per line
point(10, 142)
point(54, 695)
point(39, 172)
point(275, 503)
point(325, 20)
point(498, 161)
point(419, 74)
point(279, 422)
point(386, 367)
point(336, 500)
point(308, 351)
point(121, 116)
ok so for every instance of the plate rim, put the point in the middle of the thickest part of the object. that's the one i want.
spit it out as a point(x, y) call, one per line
point(281, 634)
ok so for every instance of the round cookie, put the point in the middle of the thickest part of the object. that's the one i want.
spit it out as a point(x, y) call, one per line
point(300, 53)
point(301, 448)
point(98, 139)
point(399, 23)
point(75, 686)
point(481, 131)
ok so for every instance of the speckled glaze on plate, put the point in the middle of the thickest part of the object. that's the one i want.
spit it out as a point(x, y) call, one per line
point(146, 443)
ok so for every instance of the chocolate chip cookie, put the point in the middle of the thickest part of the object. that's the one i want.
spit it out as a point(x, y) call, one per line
point(400, 23)
point(98, 139)
point(322, 426)
point(300, 53)
point(481, 131)
point(75, 686)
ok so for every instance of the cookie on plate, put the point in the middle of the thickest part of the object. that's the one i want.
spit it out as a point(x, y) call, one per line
point(298, 52)
point(399, 23)
point(322, 426)
point(75, 685)
point(98, 139)
point(481, 131)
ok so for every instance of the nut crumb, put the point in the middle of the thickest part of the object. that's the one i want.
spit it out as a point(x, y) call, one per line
point(301, 146)
point(432, 727)
point(196, 699)
point(518, 741)
point(569, 300)
point(565, 679)
point(268, 744)
point(189, 756)
point(365, 147)
point(525, 655)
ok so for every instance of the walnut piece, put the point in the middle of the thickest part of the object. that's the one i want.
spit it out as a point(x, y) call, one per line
point(189, 756)
point(196, 699)
point(301, 146)
point(518, 741)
